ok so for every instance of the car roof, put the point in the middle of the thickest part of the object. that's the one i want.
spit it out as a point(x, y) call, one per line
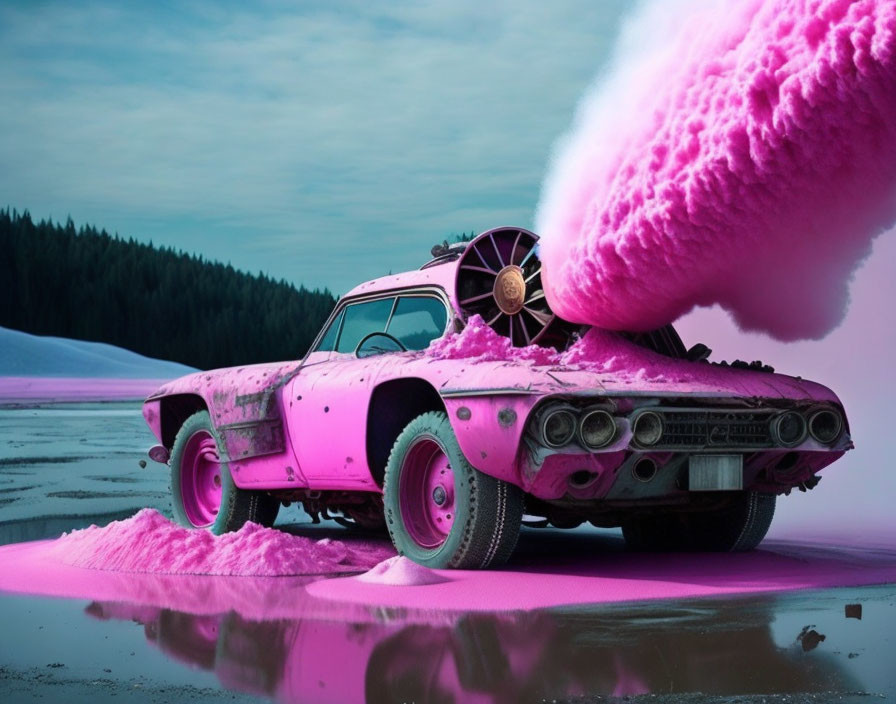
point(441, 274)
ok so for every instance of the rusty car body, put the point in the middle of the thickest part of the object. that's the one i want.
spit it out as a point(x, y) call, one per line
point(451, 455)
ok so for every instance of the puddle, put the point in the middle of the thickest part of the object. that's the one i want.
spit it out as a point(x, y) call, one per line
point(694, 650)
point(23, 461)
point(86, 494)
point(115, 480)
point(14, 489)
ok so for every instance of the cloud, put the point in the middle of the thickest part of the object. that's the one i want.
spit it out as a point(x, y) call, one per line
point(325, 144)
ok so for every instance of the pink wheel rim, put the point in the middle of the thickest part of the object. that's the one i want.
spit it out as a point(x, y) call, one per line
point(426, 493)
point(200, 479)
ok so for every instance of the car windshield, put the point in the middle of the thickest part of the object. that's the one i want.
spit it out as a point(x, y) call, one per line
point(361, 319)
point(328, 341)
point(417, 321)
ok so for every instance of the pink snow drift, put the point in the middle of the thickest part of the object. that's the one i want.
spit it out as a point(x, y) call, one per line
point(449, 404)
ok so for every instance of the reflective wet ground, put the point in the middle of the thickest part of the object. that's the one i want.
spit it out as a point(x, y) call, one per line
point(64, 467)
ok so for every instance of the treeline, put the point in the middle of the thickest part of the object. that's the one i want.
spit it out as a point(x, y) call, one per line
point(86, 284)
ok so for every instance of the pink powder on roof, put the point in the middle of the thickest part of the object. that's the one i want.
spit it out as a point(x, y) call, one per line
point(149, 542)
point(740, 153)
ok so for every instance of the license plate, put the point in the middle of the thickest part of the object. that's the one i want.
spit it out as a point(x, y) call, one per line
point(716, 472)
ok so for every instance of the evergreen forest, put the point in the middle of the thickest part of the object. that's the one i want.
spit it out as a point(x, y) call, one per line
point(83, 283)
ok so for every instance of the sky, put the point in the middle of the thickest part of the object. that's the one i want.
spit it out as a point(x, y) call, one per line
point(325, 143)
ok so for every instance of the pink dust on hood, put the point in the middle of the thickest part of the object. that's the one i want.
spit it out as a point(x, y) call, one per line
point(617, 361)
point(598, 351)
point(740, 153)
point(477, 342)
point(149, 542)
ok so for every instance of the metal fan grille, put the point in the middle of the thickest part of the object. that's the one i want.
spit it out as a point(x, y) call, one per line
point(499, 278)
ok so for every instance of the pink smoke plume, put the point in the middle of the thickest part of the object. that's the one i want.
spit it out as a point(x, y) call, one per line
point(741, 153)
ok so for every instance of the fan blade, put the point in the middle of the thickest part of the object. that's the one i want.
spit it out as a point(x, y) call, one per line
point(542, 318)
point(473, 267)
point(473, 299)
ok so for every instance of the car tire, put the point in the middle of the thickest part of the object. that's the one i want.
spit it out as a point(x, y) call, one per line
point(738, 527)
point(441, 511)
point(203, 494)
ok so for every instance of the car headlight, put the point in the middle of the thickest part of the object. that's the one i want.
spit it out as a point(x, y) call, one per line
point(788, 429)
point(825, 426)
point(648, 428)
point(597, 429)
point(558, 428)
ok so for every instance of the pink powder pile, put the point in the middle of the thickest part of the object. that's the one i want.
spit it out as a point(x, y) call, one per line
point(479, 343)
point(149, 542)
point(599, 351)
point(401, 571)
point(741, 152)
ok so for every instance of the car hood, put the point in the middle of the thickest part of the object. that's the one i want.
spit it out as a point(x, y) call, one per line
point(681, 378)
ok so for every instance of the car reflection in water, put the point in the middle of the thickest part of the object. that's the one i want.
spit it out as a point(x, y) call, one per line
point(713, 647)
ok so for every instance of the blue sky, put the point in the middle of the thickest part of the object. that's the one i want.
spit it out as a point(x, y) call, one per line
point(325, 143)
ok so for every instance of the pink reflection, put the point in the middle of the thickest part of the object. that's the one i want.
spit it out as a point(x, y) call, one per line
point(487, 657)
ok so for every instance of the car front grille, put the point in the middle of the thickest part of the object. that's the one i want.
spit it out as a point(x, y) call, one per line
point(686, 429)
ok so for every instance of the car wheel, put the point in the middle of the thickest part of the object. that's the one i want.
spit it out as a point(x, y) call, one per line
point(440, 510)
point(203, 494)
point(738, 527)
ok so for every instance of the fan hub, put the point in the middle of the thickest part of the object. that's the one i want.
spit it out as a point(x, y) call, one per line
point(510, 289)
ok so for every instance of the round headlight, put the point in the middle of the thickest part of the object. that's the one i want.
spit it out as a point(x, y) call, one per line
point(825, 426)
point(789, 429)
point(597, 429)
point(558, 428)
point(648, 428)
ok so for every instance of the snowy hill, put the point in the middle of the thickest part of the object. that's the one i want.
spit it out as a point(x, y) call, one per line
point(24, 355)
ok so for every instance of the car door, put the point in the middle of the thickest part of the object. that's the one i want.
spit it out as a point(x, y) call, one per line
point(329, 399)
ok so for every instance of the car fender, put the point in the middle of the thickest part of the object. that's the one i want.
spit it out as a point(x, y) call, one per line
point(489, 429)
point(242, 402)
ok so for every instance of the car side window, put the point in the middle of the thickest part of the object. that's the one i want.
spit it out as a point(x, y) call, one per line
point(328, 341)
point(361, 319)
point(417, 321)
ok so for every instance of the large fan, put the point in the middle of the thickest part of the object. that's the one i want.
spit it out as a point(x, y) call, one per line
point(499, 278)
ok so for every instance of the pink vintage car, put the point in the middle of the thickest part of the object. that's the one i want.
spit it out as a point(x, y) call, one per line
point(452, 452)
